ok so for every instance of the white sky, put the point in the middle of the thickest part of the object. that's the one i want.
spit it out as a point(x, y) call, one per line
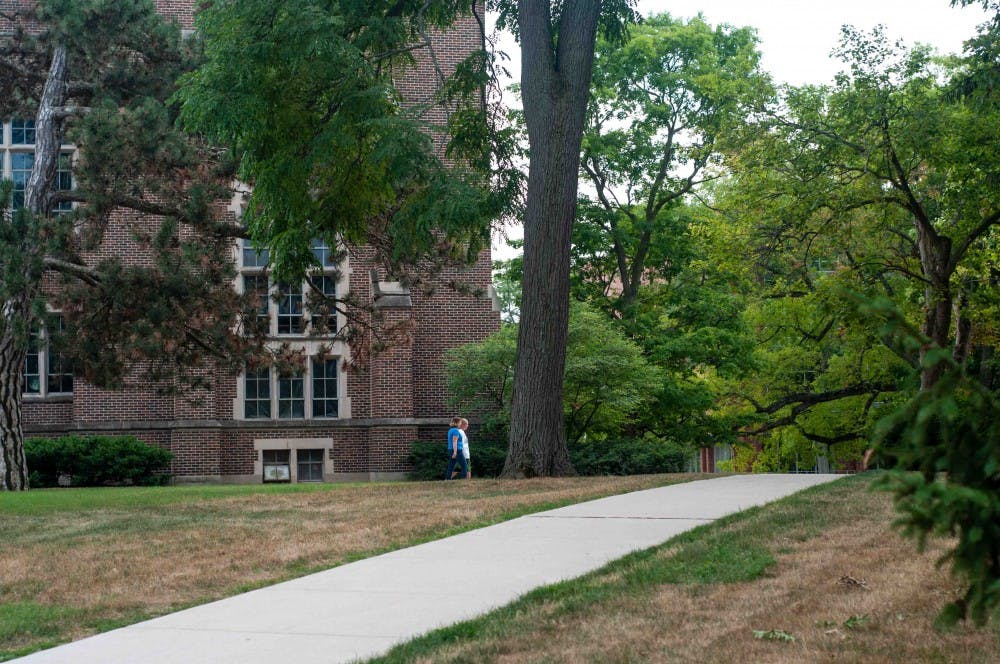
point(796, 36)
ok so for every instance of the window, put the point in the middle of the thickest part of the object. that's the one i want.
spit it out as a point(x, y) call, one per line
point(20, 171)
point(22, 160)
point(327, 287)
point(324, 256)
point(257, 287)
point(46, 371)
point(308, 393)
point(253, 258)
point(288, 303)
point(290, 319)
point(324, 392)
point(310, 465)
point(22, 132)
point(277, 467)
point(59, 371)
point(257, 401)
point(64, 182)
point(291, 397)
point(33, 366)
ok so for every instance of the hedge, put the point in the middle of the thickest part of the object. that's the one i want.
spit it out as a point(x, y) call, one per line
point(95, 461)
point(614, 457)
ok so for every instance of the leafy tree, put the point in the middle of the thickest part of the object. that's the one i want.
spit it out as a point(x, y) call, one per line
point(689, 323)
point(888, 146)
point(98, 74)
point(880, 187)
point(304, 93)
point(557, 52)
point(890, 176)
point(664, 102)
point(607, 380)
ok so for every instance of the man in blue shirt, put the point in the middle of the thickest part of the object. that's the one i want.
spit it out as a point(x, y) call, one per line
point(455, 454)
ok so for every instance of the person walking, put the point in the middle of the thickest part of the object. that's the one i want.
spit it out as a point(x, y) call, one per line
point(464, 427)
point(455, 453)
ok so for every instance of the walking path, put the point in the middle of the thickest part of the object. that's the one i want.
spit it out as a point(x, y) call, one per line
point(362, 609)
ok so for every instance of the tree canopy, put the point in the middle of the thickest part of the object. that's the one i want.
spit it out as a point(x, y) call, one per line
point(306, 95)
point(97, 76)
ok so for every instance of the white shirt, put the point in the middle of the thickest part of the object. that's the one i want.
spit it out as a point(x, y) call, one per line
point(465, 444)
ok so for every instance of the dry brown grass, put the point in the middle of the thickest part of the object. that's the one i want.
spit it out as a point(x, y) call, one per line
point(125, 564)
point(891, 592)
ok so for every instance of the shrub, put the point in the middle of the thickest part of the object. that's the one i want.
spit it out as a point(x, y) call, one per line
point(95, 461)
point(429, 461)
point(607, 457)
point(627, 457)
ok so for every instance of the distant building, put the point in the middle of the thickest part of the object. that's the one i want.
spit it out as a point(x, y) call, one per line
point(327, 422)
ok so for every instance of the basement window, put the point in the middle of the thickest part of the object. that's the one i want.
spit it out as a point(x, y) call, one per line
point(310, 465)
point(277, 465)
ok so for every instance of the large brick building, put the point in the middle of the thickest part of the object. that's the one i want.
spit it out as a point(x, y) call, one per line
point(332, 421)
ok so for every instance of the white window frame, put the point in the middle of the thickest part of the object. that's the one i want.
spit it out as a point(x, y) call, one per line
point(274, 289)
point(45, 355)
point(9, 148)
point(308, 388)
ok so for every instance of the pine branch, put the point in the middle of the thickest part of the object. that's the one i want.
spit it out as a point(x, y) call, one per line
point(78, 270)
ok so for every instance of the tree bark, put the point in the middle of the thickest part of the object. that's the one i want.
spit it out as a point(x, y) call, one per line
point(936, 264)
point(555, 87)
point(13, 469)
point(16, 316)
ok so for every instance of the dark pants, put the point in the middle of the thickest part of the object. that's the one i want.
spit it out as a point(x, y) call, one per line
point(459, 460)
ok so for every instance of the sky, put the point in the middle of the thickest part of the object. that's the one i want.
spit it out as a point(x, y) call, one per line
point(796, 36)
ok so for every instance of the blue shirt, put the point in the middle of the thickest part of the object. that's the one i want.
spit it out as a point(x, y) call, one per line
point(454, 433)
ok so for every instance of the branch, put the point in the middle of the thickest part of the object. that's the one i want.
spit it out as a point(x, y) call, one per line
point(974, 235)
point(804, 400)
point(830, 440)
point(82, 272)
point(63, 112)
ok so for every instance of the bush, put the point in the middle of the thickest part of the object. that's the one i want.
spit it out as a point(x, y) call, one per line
point(95, 461)
point(627, 457)
point(429, 460)
point(607, 457)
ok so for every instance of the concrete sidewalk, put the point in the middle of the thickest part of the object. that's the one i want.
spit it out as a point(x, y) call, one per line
point(362, 609)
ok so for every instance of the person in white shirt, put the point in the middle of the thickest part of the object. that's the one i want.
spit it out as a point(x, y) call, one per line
point(463, 425)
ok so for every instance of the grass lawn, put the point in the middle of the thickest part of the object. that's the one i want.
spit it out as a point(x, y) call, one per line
point(78, 561)
point(819, 576)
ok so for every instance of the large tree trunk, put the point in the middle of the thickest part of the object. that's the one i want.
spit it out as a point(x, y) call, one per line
point(16, 316)
point(555, 87)
point(935, 260)
point(13, 469)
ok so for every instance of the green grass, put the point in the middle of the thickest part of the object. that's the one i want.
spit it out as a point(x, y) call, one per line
point(38, 502)
point(27, 619)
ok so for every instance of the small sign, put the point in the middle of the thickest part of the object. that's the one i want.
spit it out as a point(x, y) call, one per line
point(277, 473)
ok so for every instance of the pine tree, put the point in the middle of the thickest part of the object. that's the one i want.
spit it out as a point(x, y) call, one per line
point(98, 75)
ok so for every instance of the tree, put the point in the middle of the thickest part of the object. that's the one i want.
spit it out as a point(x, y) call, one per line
point(888, 145)
point(557, 53)
point(876, 187)
point(97, 74)
point(664, 104)
point(607, 380)
point(891, 177)
point(305, 93)
point(688, 319)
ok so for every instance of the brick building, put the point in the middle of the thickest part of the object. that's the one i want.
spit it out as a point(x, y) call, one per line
point(330, 422)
